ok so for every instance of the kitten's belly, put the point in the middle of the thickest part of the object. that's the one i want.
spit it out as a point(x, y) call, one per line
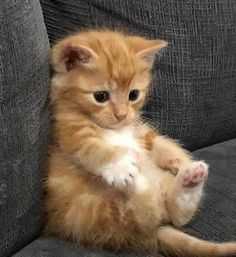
point(126, 138)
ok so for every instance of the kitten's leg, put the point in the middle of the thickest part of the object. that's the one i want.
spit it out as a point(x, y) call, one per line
point(80, 141)
point(183, 192)
point(166, 152)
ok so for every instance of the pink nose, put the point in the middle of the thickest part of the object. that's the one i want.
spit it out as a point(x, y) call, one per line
point(120, 116)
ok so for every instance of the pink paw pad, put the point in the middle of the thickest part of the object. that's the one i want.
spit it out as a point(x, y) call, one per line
point(193, 174)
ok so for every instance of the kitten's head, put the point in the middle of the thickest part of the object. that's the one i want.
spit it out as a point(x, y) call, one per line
point(103, 75)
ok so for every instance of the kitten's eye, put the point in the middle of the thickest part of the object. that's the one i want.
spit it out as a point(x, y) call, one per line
point(101, 96)
point(133, 95)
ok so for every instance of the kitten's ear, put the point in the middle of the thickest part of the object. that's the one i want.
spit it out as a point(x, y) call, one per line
point(151, 48)
point(146, 49)
point(68, 54)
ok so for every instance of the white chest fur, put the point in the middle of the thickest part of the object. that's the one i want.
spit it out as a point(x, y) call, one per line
point(124, 137)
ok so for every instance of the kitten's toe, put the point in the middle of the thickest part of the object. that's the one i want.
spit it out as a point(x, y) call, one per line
point(193, 174)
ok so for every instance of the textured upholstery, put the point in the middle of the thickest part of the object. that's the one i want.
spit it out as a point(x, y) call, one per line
point(215, 220)
point(24, 80)
point(194, 93)
point(43, 247)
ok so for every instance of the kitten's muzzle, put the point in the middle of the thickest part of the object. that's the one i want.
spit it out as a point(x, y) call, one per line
point(120, 117)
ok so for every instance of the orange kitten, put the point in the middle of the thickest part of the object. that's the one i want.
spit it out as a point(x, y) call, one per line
point(107, 186)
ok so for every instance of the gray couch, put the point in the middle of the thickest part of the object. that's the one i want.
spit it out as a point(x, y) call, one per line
point(193, 99)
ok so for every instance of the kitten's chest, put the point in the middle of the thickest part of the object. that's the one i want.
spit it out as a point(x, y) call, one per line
point(126, 137)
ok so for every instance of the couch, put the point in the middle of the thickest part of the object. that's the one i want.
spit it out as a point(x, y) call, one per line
point(193, 99)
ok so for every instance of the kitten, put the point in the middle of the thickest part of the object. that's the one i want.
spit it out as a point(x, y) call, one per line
point(112, 179)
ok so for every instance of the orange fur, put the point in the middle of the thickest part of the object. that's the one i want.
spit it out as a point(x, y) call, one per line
point(86, 200)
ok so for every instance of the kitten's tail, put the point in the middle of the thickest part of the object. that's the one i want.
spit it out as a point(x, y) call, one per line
point(177, 243)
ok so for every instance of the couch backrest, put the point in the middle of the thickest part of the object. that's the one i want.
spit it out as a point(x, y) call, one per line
point(24, 81)
point(194, 86)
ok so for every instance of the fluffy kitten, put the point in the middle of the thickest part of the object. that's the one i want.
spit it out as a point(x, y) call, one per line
point(112, 179)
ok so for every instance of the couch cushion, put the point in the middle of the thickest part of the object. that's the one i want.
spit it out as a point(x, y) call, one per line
point(24, 80)
point(194, 93)
point(55, 248)
point(214, 221)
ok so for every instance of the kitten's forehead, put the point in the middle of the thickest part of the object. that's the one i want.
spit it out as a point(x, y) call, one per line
point(123, 74)
point(119, 65)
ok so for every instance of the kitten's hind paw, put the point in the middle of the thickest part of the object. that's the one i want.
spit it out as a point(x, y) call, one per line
point(193, 174)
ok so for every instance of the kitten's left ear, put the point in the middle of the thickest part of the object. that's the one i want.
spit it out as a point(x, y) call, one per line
point(151, 48)
point(69, 53)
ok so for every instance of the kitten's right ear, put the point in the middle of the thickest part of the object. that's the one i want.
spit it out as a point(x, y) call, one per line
point(68, 54)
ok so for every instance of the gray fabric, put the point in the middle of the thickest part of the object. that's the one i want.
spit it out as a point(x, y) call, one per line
point(194, 87)
point(215, 220)
point(55, 248)
point(24, 80)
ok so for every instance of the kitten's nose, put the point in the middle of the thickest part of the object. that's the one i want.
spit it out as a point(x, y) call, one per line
point(120, 117)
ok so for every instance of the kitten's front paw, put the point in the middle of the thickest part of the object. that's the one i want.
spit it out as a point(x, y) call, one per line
point(124, 173)
point(193, 174)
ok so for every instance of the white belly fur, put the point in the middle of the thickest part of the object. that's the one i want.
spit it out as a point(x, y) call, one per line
point(126, 138)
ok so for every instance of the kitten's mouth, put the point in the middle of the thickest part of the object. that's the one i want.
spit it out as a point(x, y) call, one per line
point(119, 125)
point(116, 125)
